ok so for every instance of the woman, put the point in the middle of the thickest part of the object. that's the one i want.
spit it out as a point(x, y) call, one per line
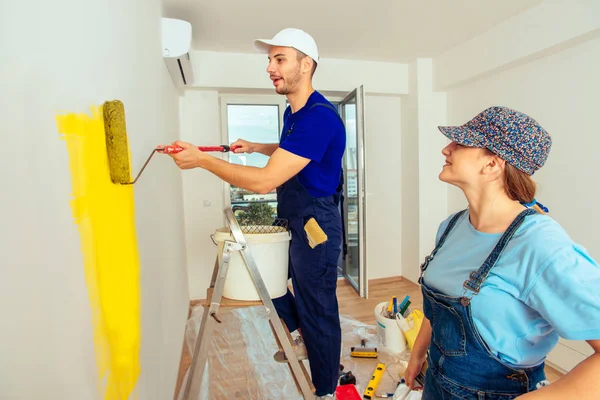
point(504, 280)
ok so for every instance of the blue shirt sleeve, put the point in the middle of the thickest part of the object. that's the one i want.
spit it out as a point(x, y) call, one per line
point(312, 134)
point(567, 294)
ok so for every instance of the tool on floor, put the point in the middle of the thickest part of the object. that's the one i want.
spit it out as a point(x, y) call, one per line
point(117, 145)
point(347, 379)
point(215, 300)
point(347, 392)
point(374, 382)
point(363, 352)
point(402, 391)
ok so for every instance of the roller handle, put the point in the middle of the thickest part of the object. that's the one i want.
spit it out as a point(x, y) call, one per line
point(176, 149)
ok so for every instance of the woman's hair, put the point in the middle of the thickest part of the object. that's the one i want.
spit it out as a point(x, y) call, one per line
point(519, 186)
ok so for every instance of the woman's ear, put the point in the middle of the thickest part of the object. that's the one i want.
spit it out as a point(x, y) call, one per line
point(493, 165)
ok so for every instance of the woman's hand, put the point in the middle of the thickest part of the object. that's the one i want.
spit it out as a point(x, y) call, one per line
point(415, 365)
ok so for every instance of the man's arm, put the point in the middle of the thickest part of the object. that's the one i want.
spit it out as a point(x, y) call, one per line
point(282, 166)
point(266, 148)
point(245, 146)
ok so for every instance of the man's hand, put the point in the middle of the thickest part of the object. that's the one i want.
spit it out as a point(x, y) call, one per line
point(189, 157)
point(244, 146)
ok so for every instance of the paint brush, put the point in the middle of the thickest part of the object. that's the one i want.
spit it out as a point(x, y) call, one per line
point(117, 145)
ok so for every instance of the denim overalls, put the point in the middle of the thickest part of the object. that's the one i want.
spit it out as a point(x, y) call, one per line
point(314, 277)
point(460, 364)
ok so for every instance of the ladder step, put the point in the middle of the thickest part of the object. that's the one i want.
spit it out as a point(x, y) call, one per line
point(200, 355)
point(225, 302)
point(302, 367)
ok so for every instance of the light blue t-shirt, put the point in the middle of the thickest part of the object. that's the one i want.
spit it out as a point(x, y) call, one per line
point(543, 286)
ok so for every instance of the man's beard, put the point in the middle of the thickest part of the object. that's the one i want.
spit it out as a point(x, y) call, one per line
point(290, 83)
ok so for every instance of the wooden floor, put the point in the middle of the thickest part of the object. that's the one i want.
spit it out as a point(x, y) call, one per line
point(350, 305)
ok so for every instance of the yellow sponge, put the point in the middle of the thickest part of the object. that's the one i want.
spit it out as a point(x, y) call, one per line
point(315, 234)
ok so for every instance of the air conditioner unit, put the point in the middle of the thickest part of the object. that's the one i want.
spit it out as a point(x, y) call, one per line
point(176, 43)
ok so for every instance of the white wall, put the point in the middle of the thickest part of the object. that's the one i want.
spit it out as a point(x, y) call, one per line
point(410, 179)
point(202, 191)
point(431, 112)
point(554, 79)
point(536, 32)
point(424, 197)
point(560, 91)
point(67, 55)
point(248, 71)
point(384, 184)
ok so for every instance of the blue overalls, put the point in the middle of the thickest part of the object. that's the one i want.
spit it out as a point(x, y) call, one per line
point(313, 308)
point(460, 364)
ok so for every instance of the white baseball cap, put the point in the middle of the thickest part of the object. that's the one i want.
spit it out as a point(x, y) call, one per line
point(290, 37)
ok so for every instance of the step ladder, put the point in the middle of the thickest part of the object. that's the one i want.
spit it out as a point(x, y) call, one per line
point(215, 300)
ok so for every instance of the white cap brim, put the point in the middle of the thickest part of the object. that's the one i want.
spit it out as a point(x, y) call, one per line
point(263, 45)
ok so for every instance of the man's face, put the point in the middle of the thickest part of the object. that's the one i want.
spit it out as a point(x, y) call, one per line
point(285, 70)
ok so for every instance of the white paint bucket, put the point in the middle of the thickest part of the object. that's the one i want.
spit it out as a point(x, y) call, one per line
point(271, 253)
point(388, 331)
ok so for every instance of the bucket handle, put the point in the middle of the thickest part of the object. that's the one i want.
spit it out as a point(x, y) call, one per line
point(212, 237)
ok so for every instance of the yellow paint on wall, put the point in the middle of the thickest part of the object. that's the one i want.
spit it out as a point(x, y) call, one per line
point(104, 214)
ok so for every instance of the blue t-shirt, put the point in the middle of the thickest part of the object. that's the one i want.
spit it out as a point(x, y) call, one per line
point(319, 135)
point(543, 286)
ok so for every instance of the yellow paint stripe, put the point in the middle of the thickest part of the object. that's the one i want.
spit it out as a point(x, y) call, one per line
point(105, 215)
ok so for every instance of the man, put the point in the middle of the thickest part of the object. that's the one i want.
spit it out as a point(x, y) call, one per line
point(305, 167)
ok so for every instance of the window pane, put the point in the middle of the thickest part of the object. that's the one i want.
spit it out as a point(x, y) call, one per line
point(254, 123)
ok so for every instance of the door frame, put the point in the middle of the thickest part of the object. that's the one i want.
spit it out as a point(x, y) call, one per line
point(362, 286)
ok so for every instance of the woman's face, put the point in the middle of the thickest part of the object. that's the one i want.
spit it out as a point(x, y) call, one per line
point(464, 165)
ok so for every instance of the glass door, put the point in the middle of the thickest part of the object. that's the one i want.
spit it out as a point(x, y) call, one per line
point(354, 268)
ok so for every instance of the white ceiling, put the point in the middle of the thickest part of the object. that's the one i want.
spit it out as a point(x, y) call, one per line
point(378, 30)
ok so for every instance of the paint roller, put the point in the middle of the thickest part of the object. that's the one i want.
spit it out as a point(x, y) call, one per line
point(117, 145)
point(363, 351)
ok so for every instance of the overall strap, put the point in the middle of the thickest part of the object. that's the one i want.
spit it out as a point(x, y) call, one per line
point(340, 185)
point(327, 105)
point(477, 277)
point(440, 243)
point(331, 107)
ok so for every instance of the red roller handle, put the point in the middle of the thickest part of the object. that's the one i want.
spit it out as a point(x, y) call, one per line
point(176, 149)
